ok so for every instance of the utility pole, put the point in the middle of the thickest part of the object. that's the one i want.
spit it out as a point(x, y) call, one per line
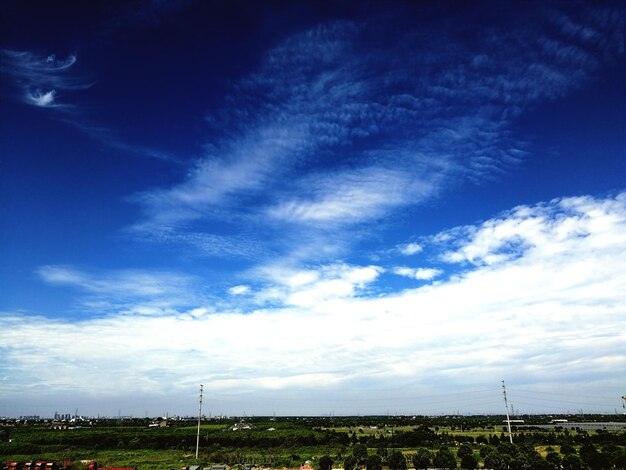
point(199, 418)
point(508, 419)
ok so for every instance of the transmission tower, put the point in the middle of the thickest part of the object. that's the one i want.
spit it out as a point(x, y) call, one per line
point(508, 418)
point(199, 418)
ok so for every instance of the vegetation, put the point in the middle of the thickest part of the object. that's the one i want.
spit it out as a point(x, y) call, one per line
point(373, 443)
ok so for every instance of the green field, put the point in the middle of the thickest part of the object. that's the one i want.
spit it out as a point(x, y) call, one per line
point(290, 442)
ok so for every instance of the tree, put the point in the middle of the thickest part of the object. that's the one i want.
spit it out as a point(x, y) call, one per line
point(396, 461)
point(486, 450)
point(359, 451)
point(469, 462)
point(326, 463)
point(587, 452)
point(349, 463)
point(464, 450)
point(374, 462)
point(592, 458)
point(554, 460)
point(422, 459)
point(618, 458)
point(571, 462)
point(521, 462)
point(497, 461)
point(444, 459)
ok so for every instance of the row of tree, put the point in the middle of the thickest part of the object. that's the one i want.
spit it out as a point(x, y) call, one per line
point(502, 457)
point(427, 437)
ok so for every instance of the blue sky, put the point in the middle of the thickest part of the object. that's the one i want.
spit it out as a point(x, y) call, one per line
point(354, 208)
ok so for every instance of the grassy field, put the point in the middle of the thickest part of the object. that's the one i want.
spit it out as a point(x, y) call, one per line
point(275, 443)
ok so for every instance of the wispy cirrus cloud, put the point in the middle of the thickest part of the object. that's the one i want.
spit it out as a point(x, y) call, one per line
point(150, 288)
point(337, 127)
point(41, 79)
point(246, 168)
point(242, 244)
point(353, 196)
point(44, 81)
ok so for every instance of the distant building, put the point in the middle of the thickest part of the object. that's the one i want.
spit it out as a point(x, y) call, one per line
point(240, 426)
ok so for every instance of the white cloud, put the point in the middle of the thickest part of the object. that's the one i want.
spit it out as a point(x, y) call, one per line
point(554, 314)
point(239, 290)
point(403, 271)
point(543, 291)
point(547, 229)
point(426, 273)
point(421, 274)
point(39, 98)
point(307, 288)
point(410, 249)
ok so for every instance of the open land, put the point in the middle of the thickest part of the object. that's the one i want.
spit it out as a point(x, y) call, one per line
point(338, 442)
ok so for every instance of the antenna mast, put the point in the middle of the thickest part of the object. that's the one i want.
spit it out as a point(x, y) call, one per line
point(508, 419)
point(199, 418)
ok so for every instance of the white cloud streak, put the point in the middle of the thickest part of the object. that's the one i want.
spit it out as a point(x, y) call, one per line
point(250, 164)
point(158, 290)
point(354, 196)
